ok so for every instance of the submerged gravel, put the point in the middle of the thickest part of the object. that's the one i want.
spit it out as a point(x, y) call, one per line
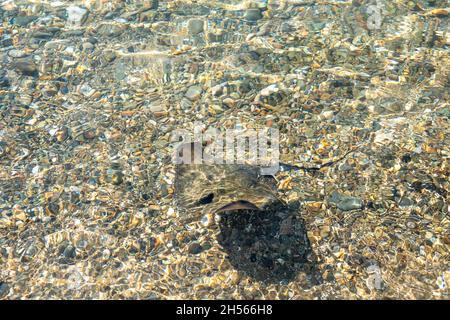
point(90, 92)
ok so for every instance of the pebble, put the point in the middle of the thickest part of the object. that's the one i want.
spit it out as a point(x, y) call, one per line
point(88, 46)
point(72, 33)
point(286, 27)
point(120, 70)
point(117, 77)
point(106, 253)
point(109, 55)
point(195, 248)
point(229, 102)
point(5, 43)
point(411, 224)
point(86, 90)
point(89, 134)
point(185, 104)
point(4, 288)
point(111, 30)
point(350, 203)
point(346, 203)
point(14, 53)
point(152, 4)
point(406, 202)
point(195, 26)
point(76, 15)
point(117, 178)
point(156, 108)
point(26, 66)
point(52, 208)
point(327, 114)
point(69, 252)
point(23, 21)
point(217, 90)
point(253, 14)
point(42, 35)
point(205, 220)
point(194, 93)
point(3, 147)
point(4, 81)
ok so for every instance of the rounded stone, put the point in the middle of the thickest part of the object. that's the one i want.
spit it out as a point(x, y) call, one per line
point(195, 26)
point(194, 93)
point(253, 14)
point(195, 248)
point(26, 67)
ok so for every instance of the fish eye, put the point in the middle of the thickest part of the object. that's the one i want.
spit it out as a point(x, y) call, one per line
point(206, 199)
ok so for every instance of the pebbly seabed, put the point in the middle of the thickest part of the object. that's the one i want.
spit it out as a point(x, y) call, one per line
point(91, 92)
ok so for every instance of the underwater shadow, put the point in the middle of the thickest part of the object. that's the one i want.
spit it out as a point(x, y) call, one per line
point(269, 245)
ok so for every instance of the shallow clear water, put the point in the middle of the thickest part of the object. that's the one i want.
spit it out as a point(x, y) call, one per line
point(91, 92)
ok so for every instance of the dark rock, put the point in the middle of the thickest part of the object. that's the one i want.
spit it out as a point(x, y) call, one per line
point(52, 208)
point(50, 29)
point(253, 14)
point(111, 15)
point(4, 81)
point(23, 20)
point(406, 202)
point(444, 112)
point(3, 147)
point(69, 252)
point(92, 40)
point(406, 158)
point(6, 43)
point(26, 67)
point(42, 35)
point(117, 178)
point(72, 33)
point(286, 27)
point(4, 289)
point(214, 37)
point(195, 248)
point(152, 5)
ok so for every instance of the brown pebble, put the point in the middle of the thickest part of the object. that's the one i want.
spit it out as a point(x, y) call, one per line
point(90, 134)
